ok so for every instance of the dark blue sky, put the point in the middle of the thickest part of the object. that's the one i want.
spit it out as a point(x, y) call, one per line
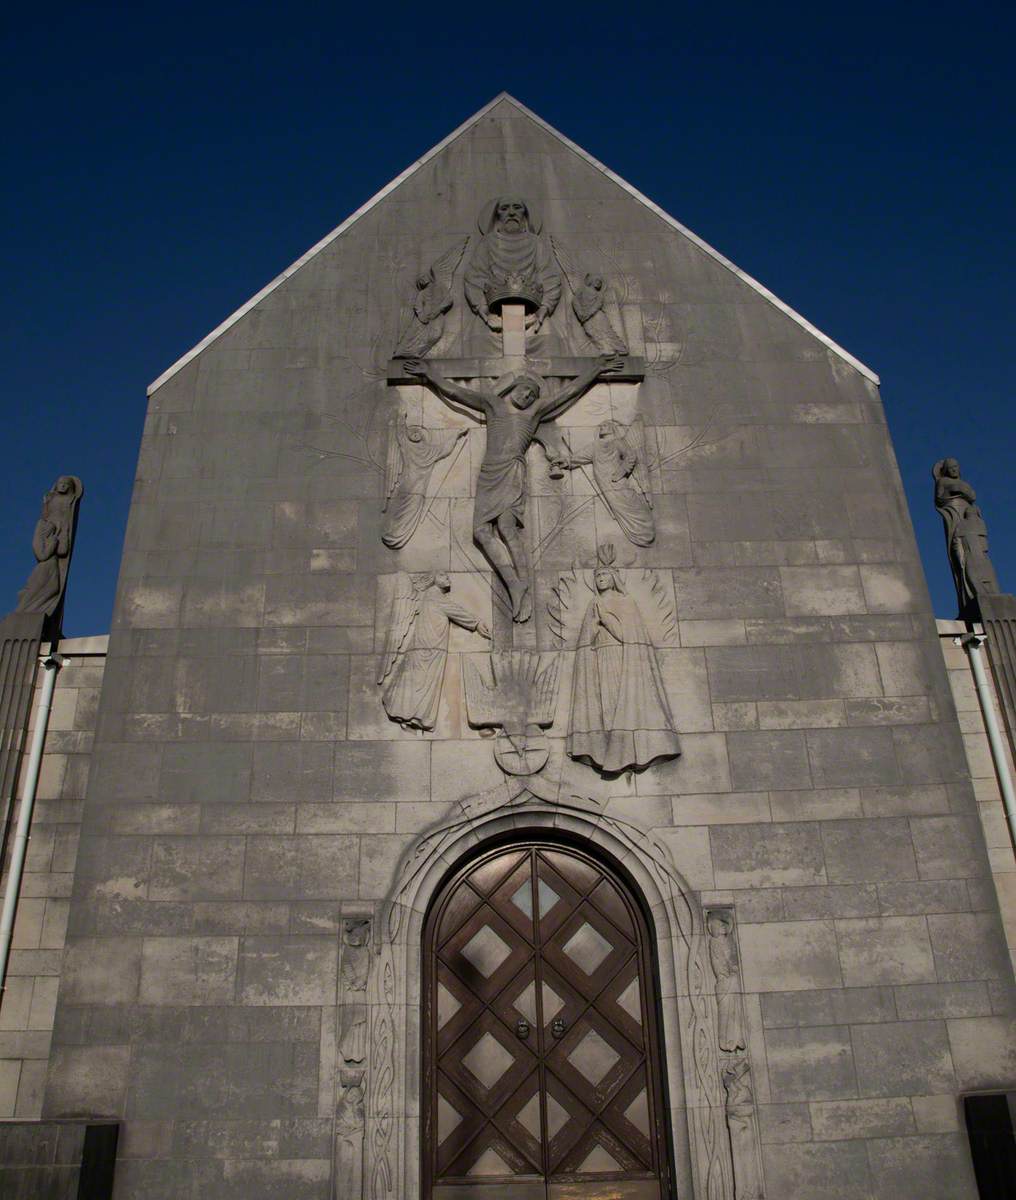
point(164, 163)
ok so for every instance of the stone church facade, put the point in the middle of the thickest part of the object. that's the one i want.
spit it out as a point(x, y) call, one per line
point(525, 765)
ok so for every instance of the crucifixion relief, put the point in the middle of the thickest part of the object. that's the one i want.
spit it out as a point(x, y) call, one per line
point(513, 284)
point(513, 412)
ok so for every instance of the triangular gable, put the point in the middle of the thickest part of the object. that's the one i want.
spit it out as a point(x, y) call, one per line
point(586, 157)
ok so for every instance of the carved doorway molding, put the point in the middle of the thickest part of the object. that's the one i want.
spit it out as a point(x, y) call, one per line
point(688, 1011)
point(541, 1051)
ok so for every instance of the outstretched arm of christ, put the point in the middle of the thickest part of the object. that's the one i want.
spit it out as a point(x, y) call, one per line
point(605, 364)
point(445, 387)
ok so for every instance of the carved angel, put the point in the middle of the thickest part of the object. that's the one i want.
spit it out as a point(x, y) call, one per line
point(618, 458)
point(432, 300)
point(413, 452)
point(620, 718)
point(588, 297)
point(416, 648)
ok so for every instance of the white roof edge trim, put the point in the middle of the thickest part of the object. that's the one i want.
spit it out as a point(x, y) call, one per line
point(593, 162)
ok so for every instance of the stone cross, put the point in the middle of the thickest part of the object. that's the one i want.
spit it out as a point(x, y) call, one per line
point(513, 359)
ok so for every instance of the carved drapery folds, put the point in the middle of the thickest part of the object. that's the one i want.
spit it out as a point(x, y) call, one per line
point(52, 545)
point(966, 538)
point(723, 959)
point(432, 299)
point(512, 264)
point(620, 718)
point(354, 968)
point(350, 1122)
point(619, 463)
point(740, 1110)
point(589, 294)
point(731, 1040)
point(413, 453)
point(416, 648)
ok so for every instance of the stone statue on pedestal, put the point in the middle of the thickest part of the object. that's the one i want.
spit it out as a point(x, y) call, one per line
point(52, 545)
point(966, 538)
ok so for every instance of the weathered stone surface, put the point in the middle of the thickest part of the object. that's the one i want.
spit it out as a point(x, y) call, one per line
point(904, 1058)
point(248, 793)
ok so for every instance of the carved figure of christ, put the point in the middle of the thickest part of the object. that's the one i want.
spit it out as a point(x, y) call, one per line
point(513, 418)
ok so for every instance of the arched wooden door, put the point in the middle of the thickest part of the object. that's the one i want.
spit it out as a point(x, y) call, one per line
point(542, 1063)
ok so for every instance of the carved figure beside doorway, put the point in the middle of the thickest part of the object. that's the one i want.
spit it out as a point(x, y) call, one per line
point(740, 1109)
point(723, 959)
point(354, 970)
point(349, 1130)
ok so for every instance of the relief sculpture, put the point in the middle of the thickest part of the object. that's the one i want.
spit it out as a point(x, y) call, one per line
point(413, 453)
point(432, 300)
point(349, 1131)
point(515, 691)
point(723, 959)
point(514, 411)
point(512, 263)
point(618, 460)
point(353, 972)
point(740, 1109)
point(620, 718)
point(416, 648)
point(588, 297)
point(966, 537)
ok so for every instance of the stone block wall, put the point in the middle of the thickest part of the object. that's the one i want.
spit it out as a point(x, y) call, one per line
point(29, 999)
point(248, 791)
point(997, 837)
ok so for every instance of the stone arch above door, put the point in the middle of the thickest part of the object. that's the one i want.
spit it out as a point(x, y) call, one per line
point(689, 1031)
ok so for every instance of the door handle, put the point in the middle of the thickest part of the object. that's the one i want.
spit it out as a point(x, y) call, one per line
point(522, 1028)
point(558, 1027)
